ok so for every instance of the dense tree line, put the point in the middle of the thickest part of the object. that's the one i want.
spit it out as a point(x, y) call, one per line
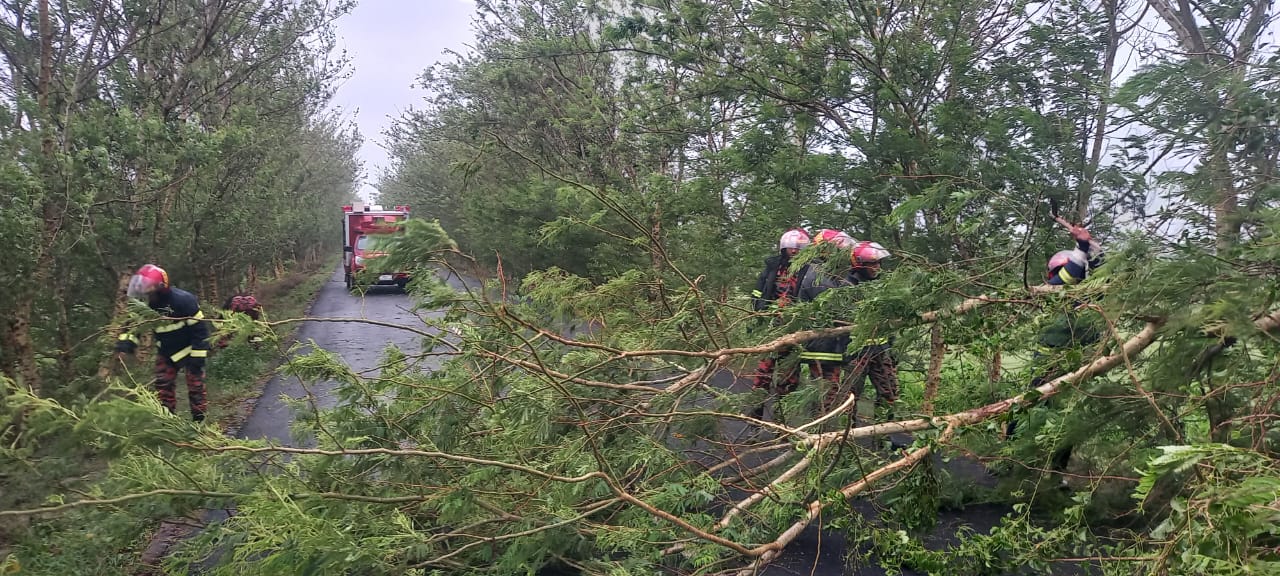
point(627, 165)
point(658, 149)
point(192, 134)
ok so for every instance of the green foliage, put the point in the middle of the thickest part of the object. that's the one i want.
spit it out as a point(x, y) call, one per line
point(1223, 520)
point(628, 167)
point(205, 149)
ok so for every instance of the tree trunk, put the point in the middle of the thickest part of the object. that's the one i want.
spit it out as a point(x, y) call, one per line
point(117, 311)
point(937, 349)
point(163, 204)
point(993, 370)
point(19, 326)
point(66, 373)
point(1089, 178)
point(21, 347)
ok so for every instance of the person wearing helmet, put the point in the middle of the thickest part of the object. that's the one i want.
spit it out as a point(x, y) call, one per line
point(874, 360)
point(776, 287)
point(837, 238)
point(246, 304)
point(1069, 267)
point(1068, 330)
point(182, 337)
point(825, 356)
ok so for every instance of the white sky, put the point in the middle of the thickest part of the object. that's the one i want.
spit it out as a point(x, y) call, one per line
point(391, 42)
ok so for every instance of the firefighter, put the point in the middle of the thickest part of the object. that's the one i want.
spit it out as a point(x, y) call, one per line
point(776, 287)
point(875, 359)
point(246, 304)
point(1068, 330)
point(182, 338)
point(825, 356)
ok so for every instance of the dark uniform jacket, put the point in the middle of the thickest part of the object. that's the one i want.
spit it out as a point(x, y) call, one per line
point(1070, 329)
point(813, 283)
point(182, 333)
point(767, 290)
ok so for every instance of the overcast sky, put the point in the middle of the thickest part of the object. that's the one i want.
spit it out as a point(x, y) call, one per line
point(390, 42)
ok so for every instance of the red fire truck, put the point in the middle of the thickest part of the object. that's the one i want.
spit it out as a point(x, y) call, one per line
point(362, 227)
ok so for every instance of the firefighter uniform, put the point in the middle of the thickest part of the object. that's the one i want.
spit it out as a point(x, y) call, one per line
point(874, 361)
point(776, 286)
point(823, 355)
point(1066, 332)
point(182, 338)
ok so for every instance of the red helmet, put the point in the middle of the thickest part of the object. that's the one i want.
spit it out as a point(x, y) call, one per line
point(840, 239)
point(243, 303)
point(867, 252)
point(793, 238)
point(149, 279)
point(1061, 259)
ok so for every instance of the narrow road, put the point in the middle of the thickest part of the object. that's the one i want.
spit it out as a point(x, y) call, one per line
point(361, 345)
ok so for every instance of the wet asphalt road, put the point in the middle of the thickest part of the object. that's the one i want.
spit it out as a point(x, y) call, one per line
point(360, 346)
point(815, 553)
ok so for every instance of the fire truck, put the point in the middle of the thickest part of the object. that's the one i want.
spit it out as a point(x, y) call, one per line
point(362, 228)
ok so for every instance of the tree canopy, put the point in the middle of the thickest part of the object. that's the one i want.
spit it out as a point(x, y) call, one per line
point(624, 168)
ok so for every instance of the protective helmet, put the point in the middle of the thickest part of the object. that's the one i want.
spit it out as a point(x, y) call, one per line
point(836, 237)
point(243, 303)
point(1059, 260)
point(793, 238)
point(149, 279)
point(867, 252)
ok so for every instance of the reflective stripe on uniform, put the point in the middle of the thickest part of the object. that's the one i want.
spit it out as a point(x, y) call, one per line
point(1066, 277)
point(171, 327)
point(757, 293)
point(128, 337)
point(825, 356)
point(179, 355)
point(199, 353)
point(180, 324)
point(875, 341)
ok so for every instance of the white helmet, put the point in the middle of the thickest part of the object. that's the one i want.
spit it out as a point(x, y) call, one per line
point(793, 238)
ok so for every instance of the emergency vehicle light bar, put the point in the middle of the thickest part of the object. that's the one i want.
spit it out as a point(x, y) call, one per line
point(376, 207)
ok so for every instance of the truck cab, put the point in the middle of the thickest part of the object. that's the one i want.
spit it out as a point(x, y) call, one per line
point(363, 230)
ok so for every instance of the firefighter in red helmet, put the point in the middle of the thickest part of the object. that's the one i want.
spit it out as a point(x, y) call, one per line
point(874, 360)
point(1075, 328)
point(247, 304)
point(825, 356)
point(182, 338)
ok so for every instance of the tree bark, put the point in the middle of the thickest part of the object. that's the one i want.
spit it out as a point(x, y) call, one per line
point(1089, 179)
point(937, 349)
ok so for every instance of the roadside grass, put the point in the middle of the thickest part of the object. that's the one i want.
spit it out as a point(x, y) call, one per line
point(237, 373)
point(105, 541)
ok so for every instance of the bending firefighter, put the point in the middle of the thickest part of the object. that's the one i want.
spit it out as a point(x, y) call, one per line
point(246, 304)
point(1068, 330)
point(182, 337)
